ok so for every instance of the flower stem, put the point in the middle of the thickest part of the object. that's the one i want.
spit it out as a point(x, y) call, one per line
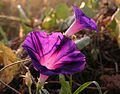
point(41, 82)
point(39, 87)
point(71, 82)
point(29, 90)
point(36, 89)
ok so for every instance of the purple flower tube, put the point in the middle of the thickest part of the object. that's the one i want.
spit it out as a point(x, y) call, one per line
point(81, 22)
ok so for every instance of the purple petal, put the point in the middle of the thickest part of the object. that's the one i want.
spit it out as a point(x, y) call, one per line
point(84, 20)
point(53, 53)
point(81, 22)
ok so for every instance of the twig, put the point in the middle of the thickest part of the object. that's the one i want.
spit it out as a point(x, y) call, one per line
point(13, 18)
point(10, 18)
point(9, 87)
point(99, 55)
point(113, 60)
point(22, 12)
point(106, 92)
point(116, 67)
point(9, 66)
point(14, 64)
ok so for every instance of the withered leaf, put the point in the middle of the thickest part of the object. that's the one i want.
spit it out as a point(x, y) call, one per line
point(7, 57)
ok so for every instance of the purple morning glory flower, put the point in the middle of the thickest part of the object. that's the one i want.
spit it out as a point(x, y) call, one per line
point(53, 53)
point(81, 22)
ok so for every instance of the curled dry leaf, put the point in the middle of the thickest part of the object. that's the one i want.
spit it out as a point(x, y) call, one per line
point(7, 57)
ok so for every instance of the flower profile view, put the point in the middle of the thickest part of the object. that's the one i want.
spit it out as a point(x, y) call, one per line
point(53, 54)
point(81, 22)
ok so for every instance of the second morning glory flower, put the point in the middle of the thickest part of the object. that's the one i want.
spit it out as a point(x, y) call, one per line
point(53, 54)
point(81, 22)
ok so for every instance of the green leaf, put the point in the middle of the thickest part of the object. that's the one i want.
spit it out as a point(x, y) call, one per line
point(117, 14)
point(49, 19)
point(3, 34)
point(83, 42)
point(62, 11)
point(118, 33)
point(65, 86)
point(85, 85)
point(113, 24)
point(117, 18)
point(82, 87)
point(49, 23)
point(112, 27)
point(92, 3)
point(64, 25)
point(47, 12)
point(26, 28)
point(2, 5)
point(88, 11)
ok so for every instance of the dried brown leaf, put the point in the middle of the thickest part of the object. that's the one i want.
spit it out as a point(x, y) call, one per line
point(7, 57)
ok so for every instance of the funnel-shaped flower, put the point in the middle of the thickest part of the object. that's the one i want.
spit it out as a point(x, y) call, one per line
point(81, 22)
point(53, 53)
